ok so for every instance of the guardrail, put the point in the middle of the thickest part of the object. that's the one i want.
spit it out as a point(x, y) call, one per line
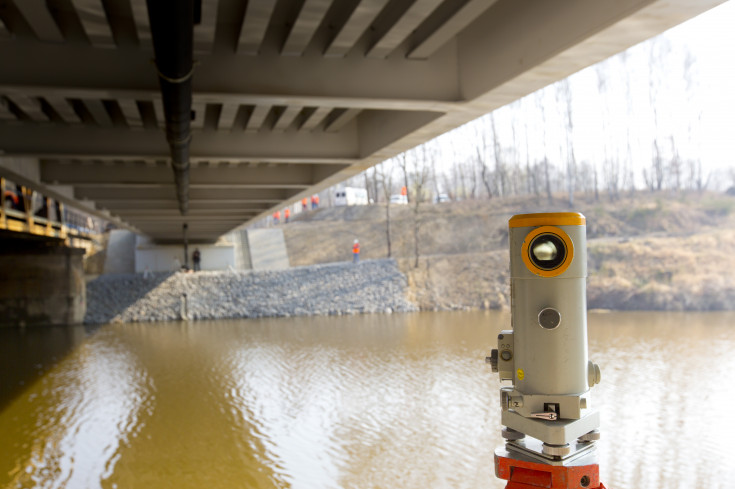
point(17, 215)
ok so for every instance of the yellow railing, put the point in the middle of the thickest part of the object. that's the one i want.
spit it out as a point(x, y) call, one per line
point(26, 222)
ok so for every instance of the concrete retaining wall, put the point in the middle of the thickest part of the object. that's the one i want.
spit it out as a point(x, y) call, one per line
point(120, 254)
point(157, 258)
point(267, 249)
point(42, 286)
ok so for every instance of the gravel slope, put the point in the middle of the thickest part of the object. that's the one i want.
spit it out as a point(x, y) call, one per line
point(331, 289)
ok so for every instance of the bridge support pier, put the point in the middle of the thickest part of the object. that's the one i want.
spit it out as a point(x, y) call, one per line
point(41, 284)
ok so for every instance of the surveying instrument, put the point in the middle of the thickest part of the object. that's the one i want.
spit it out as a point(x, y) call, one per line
point(550, 427)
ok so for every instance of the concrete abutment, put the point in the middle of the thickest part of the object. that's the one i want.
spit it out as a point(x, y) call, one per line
point(42, 285)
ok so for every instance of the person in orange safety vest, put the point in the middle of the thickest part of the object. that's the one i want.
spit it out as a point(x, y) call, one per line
point(314, 201)
point(287, 214)
point(304, 204)
point(276, 217)
point(356, 252)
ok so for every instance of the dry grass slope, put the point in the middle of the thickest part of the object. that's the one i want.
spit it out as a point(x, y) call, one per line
point(645, 252)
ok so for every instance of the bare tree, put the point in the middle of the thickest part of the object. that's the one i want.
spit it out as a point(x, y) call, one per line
point(610, 162)
point(698, 178)
point(501, 176)
point(420, 176)
point(484, 170)
point(434, 179)
point(531, 177)
point(587, 179)
point(403, 163)
point(479, 134)
point(546, 166)
point(469, 178)
point(517, 175)
point(367, 183)
point(564, 92)
point(628, 175)
point(675, 166)
point(539, 99)
point(654, 176)
point(374, 179)
point(595, 182)
point(451, 190)
point(731, 174)
point(384, 174)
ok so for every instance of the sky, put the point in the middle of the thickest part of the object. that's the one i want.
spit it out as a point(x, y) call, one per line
point(710, 38)
point(613, 105)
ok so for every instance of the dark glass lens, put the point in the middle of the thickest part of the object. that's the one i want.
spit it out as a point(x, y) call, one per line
point(547, 251)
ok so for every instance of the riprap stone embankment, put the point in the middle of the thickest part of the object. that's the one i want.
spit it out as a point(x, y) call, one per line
point(331, 289)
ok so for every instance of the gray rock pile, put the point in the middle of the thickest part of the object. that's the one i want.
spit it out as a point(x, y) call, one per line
point(332, 289)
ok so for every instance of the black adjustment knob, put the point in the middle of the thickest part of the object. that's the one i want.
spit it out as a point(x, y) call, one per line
point(493, 360)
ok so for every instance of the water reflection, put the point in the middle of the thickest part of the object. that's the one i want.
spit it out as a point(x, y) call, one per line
point(26, 353)
point(349, 410)
point(192, 440)
point(66, 429)
point(666, 398)
point(367, 401)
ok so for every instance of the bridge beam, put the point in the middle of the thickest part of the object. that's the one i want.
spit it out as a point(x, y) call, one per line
point(317, 83)
point(60, 142)
point(308, 77)
point(132, 174)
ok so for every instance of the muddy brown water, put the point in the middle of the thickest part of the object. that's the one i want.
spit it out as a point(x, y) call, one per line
point(376, 401)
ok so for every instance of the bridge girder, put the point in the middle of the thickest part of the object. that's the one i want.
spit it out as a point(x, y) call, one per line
point(289, 97)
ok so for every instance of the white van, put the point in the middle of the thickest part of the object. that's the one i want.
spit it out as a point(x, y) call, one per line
point(351, 196)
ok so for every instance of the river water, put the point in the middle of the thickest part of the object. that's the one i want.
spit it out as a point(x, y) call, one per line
point(375, 401)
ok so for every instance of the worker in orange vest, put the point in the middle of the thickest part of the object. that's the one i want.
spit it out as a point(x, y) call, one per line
point(304, 204)
point(356, 252)
point(404, 191)
point(314, 201)
point(276, 217)
point(287, 214)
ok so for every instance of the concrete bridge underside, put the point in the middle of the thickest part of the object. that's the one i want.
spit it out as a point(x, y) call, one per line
point(289, 96)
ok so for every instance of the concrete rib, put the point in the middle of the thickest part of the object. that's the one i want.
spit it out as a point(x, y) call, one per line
point(310, 17)
point(315, 118)
point(254, 25)
point(356, 25)
point(62, 107)
point(342, 120)
point(37, 14)
point(142, 24)
point(31, 106)
point(204, 32)
point(400, 31)
point(94, 20)
point(227, 116)
point(98, 112)
point(5, 113)
point(130, 110)
point(287, 118)
point(257, 118)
